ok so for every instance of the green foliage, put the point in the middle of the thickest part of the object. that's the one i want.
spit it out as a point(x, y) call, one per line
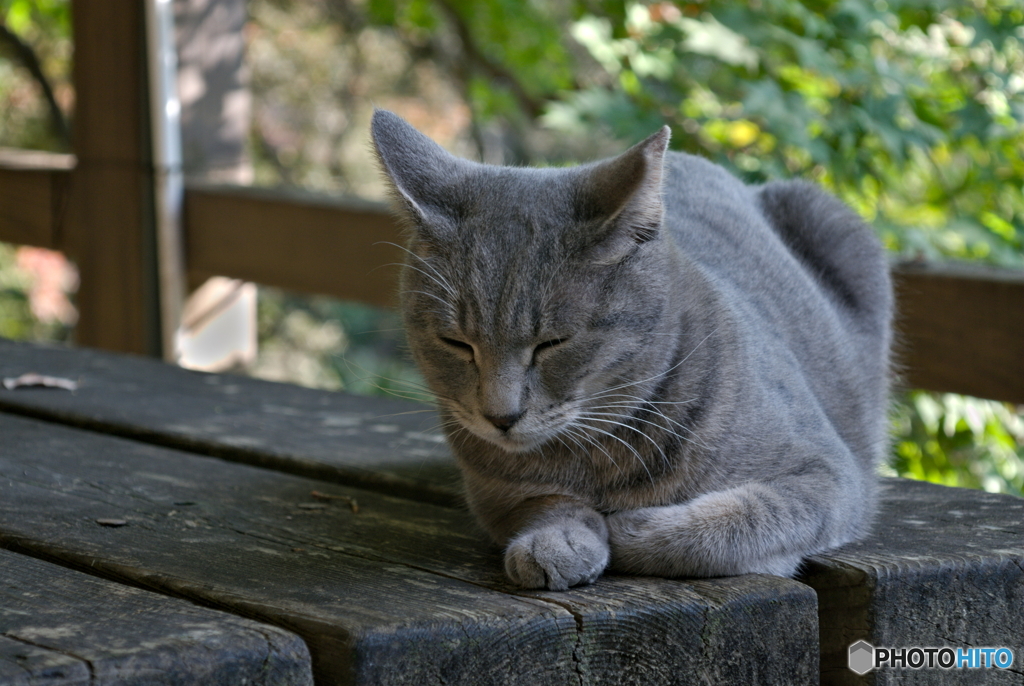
point(34, 19)
point(325, 343)
point(510, 56)
point(959, 441)
point(17, 320)
point(45, 26)
point(911, 111)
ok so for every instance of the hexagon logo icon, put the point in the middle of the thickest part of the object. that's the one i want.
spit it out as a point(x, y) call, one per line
point(862, 657)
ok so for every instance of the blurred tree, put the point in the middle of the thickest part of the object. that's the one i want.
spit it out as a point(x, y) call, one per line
point(910, 110)
point(35, 98)
point(35, 74)
point(959, 441)
point(35, 286)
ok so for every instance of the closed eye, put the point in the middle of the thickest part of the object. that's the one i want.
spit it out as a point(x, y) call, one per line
point(459, 346)
point(547, 345)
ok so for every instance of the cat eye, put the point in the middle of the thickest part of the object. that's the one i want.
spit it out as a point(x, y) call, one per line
point(547, 345)
point(460, 346)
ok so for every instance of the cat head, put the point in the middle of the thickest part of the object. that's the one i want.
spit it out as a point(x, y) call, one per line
point(529, 295)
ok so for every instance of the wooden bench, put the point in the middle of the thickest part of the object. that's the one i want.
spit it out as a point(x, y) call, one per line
point(61, 627)
point(336, 518)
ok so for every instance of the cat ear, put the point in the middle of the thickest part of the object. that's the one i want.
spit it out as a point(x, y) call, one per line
point(624, 195)
point(422, 174)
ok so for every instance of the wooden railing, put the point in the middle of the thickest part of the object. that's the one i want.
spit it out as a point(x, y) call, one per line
point(961, 328)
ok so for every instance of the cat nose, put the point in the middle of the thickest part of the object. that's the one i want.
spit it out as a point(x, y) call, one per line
point(504, 422)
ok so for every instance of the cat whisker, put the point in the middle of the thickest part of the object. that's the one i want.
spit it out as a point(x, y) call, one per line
point(443, 282)
point(659, 374)
point(413, 385)
point(594, 417)
point(399, 414)
point(570, 433)
point(461, 433)
point(666, 429)
point(636, 400)
point(398, 394)
point(445, 286)
point(558, 437)
point(640, 403)
point(444, 302)
point(632, 449)
point(414, 391)
point(407, 394)
point(577, 430)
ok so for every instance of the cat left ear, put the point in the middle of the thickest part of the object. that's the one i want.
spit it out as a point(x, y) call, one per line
point(624, 194)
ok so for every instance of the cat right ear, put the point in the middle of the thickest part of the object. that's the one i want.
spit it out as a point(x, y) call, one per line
point(623, 194)
point(422, 174)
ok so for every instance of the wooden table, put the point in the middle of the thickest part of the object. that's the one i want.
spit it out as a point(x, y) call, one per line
point(218, 529)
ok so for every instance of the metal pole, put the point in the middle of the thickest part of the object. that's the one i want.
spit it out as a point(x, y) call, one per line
point(165, 120)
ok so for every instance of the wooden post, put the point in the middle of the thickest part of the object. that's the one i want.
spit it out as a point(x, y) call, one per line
point(109, 228)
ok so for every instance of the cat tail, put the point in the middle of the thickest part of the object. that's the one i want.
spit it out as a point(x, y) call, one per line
point(834, 244)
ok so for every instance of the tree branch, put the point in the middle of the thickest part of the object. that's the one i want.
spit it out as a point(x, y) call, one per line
point(496, 71)
point(28, 58)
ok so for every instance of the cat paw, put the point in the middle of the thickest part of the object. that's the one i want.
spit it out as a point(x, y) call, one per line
point(556, 557)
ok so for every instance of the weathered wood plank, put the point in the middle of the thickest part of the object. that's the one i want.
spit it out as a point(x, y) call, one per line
point(944, 567)
point(384, 444)
point(962, 330)
point(302, 241)
point(23, 664)
point(33, 190)
point(398, 592)
point(59, 627)
point(237, 540)
point(848, 582)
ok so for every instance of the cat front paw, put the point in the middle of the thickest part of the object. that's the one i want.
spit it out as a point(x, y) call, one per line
point(556, 556)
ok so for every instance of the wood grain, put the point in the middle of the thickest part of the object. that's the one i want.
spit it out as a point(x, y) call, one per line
point(936, 557)
point(399, 592)
point(387, 445)
point(962, 330)
point(33, 190)
point(943, 567)
point(109, 230)
point(59, 627)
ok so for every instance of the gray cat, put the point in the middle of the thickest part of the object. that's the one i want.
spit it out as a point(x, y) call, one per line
point(643, 364)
